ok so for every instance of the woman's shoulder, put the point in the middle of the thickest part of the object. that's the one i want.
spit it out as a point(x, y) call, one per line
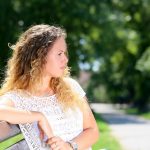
point(13, 96)
point(75, 86)
point(8, 98)
point(72, 82)
point(6, 101)
point(8, 94)
point(12, 93)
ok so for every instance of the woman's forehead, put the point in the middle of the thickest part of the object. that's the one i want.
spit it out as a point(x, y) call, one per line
point(59, 45)
point(60, 42)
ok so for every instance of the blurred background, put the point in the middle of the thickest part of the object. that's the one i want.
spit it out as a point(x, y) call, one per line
point(108, 44)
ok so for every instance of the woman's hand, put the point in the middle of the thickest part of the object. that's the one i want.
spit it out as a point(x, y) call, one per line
point(56, 143)
point(44, 127)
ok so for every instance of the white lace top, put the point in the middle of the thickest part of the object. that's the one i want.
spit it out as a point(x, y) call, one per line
point(66, 125)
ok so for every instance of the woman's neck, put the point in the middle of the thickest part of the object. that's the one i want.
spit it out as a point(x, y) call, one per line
point(43, 88)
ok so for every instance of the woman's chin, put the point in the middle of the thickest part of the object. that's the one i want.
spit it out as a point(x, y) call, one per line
point(59, 75)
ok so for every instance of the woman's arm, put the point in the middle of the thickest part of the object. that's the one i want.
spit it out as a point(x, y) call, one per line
point(84, 140)
point(14, 116)
point(9, 113)
point(90, 132)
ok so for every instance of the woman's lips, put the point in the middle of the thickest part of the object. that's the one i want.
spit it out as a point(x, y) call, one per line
point(63, 67)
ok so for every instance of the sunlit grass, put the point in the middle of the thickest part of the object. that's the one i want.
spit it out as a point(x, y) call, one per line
point(146, 115)
point(106, 140)
point(134, 111)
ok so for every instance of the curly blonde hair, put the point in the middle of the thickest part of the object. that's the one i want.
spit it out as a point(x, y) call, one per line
point(24, 68)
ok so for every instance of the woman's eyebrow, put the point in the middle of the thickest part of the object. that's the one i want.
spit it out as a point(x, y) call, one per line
point(62, 50)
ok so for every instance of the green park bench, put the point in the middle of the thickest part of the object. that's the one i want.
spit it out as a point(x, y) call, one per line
point(11, 137)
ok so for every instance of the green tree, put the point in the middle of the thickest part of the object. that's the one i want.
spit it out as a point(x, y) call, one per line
point(110, 33)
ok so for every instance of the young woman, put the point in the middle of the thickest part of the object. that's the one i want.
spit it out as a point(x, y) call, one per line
point(40, 96)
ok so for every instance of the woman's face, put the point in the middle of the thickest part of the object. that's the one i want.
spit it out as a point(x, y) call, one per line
point(56, 60)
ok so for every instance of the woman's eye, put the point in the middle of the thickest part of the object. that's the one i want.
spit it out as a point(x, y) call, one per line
point(59, 54)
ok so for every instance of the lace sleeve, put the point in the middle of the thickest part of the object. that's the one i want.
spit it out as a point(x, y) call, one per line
point(75, 86)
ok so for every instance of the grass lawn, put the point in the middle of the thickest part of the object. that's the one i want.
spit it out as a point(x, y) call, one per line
point(134, 111)
point(106, 140)
point(146, 115)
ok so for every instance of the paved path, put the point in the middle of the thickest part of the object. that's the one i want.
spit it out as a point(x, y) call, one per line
point(132, 132)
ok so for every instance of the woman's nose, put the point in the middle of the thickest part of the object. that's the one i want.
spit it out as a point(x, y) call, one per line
point(65, 59)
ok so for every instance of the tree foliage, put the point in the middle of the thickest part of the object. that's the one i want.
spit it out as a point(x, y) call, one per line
point(109, 38)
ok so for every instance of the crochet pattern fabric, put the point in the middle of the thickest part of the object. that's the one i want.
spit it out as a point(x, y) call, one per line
point(66, 125)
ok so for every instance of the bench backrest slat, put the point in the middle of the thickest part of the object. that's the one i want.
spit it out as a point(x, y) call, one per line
point(8, 134)
point(7, 130)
